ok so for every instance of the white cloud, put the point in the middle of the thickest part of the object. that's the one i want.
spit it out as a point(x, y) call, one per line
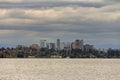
point(57, 14)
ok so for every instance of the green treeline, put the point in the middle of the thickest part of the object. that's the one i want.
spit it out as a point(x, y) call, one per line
point(24, 52)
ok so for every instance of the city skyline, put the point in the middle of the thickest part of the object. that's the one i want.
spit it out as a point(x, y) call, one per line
point(27, 22)
point(59, 44)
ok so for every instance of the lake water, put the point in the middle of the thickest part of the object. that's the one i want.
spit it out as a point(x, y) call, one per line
point(59, 69)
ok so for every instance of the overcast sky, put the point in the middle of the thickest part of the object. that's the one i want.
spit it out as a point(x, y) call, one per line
point(28, 21)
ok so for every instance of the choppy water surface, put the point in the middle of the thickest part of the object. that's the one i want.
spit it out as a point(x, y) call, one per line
point(59, 69)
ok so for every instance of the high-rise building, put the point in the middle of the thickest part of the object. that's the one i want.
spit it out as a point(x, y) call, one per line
point(82, 44)
point(74, 46)
point(36, 46)
point(58, 44)
point(43, 43)
point(88, 47)
point(62, 45)
point(51, 45)
point(78, 44)
point(68, 46)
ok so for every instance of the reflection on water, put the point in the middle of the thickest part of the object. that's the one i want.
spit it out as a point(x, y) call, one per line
point(59, 69)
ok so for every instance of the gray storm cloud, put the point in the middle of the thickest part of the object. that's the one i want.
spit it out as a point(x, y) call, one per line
point(95, 21)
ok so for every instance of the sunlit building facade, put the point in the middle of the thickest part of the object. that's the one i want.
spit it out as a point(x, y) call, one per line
point(78, 44)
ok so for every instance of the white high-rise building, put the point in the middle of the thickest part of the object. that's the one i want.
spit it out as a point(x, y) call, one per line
point(62, 45)
point(51, 45)
point(43, 43)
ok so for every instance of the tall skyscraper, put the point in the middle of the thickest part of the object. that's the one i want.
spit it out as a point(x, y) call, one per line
point(68, 46)
point(82, 44)
point(62, 45)
point(74, 46)
point(78, 44)
point(43, 43)
point(51, 45)
point(58, 44)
